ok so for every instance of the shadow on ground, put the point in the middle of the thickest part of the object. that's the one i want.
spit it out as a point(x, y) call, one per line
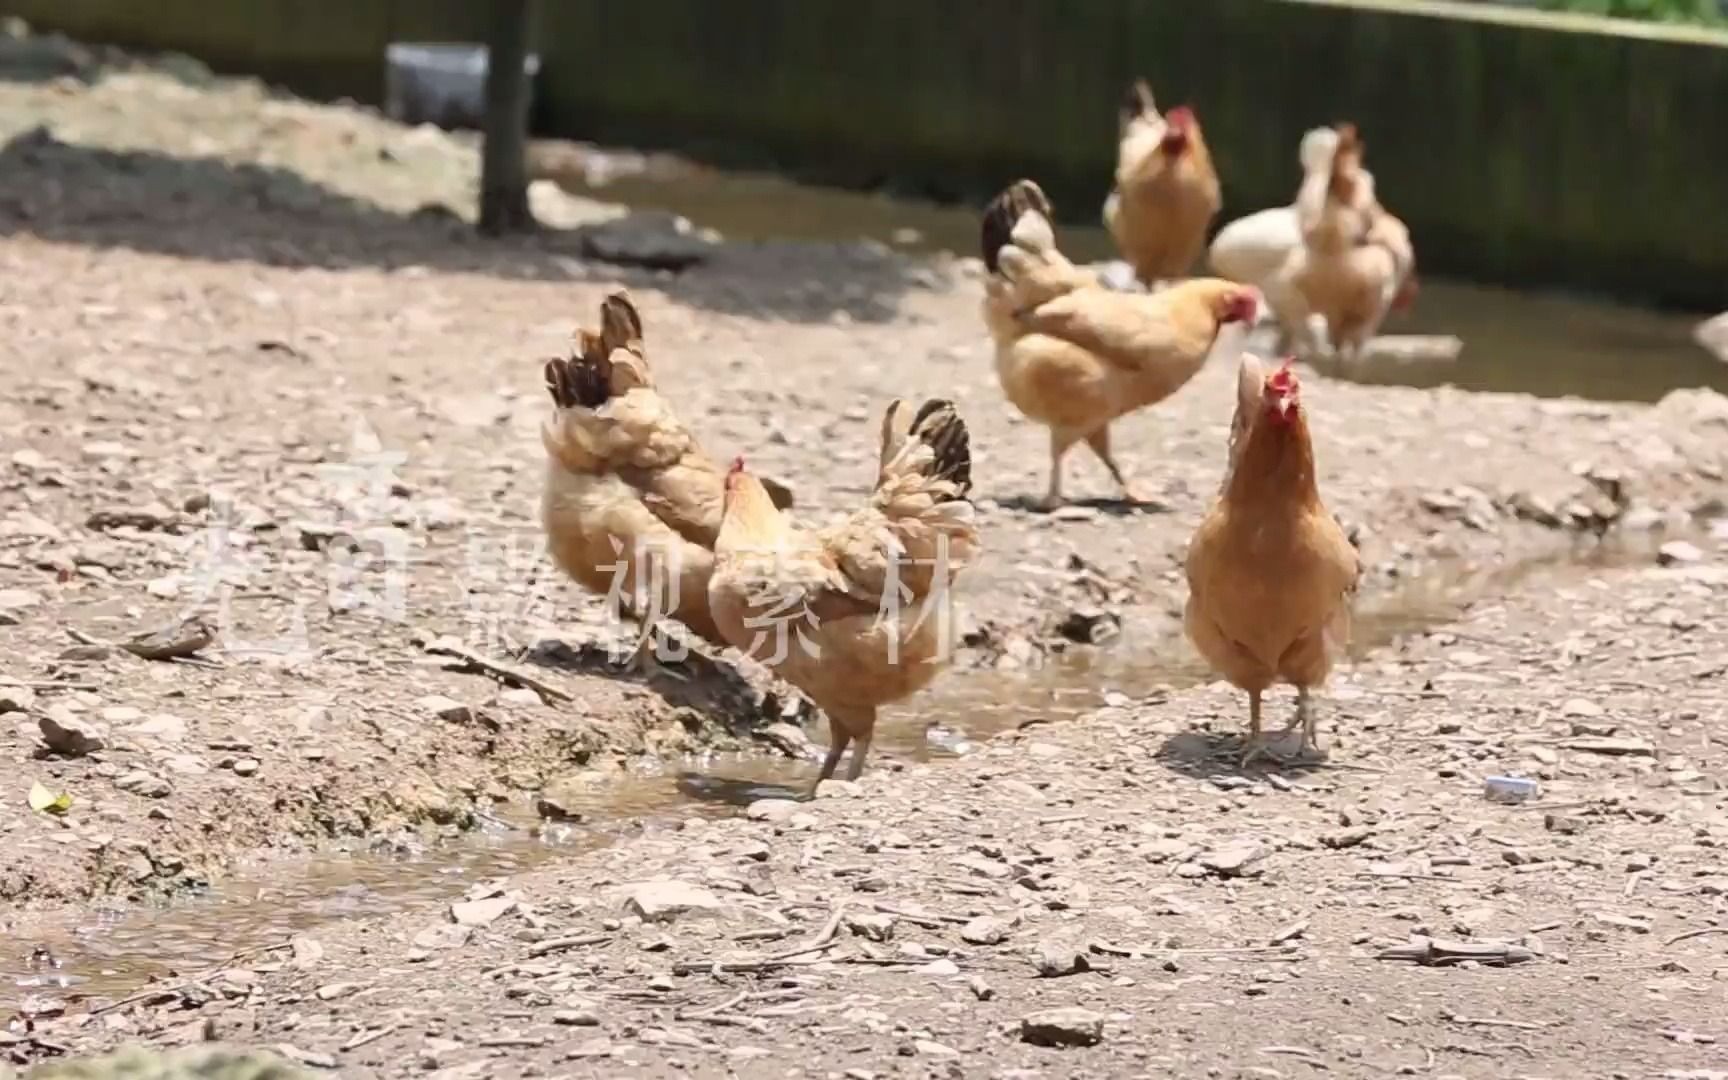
point(210, 208)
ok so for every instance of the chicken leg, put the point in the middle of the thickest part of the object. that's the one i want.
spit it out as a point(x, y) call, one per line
point(1099, 441)
point(1310, 748)
point(1060, 441)
point(838, 737)
point(856, 728)
point(645, 660)
point(1255, 746)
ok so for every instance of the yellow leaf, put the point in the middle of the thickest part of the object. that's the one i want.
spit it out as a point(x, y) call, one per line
point(44, 801)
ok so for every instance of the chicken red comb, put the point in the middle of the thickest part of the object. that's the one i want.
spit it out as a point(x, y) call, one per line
point(1284, 379)
point(1181, 118)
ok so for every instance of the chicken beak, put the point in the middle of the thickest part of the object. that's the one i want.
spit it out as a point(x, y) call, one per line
point(1286, 406)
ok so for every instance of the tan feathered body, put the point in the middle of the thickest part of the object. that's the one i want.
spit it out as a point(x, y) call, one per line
point(626, 482)
point(1166, 191)
point(1356, 261)
point(1075, 356)
point(813, 604)
point(1271, 574)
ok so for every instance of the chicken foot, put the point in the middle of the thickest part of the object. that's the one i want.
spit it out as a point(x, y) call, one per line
point(1099, 442)
point(1255, 747)
point(645, 658)
point(839, 737)
point(1309, 721)
point(1060, 441)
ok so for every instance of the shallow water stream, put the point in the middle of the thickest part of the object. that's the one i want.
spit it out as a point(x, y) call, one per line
point(108, 952)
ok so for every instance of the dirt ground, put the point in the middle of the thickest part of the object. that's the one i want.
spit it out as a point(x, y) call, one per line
point(253, 381)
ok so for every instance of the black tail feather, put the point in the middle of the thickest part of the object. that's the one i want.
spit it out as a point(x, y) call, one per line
point(1004, 212)
point(938, 426)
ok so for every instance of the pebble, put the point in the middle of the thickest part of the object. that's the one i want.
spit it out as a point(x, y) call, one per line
point(246, 766)
point(444, 936)
point(986, 930)
point(445, 708)
point(873, 927)
point(483, 912)
point(146, 784)
point(771, 810)
point(1241, 858)
point(67, 734)
point(1676, 552)
point(1070, 1026)
point(1055, 959)
point(662, 901)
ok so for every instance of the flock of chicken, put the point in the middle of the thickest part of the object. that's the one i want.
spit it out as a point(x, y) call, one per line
point(854, 615)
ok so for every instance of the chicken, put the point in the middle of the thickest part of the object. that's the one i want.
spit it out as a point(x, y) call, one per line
point(631, 505)
point(1254, 248)
point(858, 615)
point(1166, 192)
point(1271, 574)
point(1075, 356)
point(1355, 262)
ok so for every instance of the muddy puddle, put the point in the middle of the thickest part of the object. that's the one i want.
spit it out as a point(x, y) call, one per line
point(108, 952)
point(1514, 342)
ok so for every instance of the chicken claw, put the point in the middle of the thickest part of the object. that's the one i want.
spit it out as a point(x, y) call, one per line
point(1309, 749)
point(645, 660)
point(1255, 748)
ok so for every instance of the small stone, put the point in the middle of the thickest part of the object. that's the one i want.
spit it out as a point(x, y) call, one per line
point(1564, 824)
point(1623, 922)
point(839, 789)
point(1676, 552)
point(661, 901)
point(942, 968)
point(1581, 707)
point(445, 708)
point(597, 1047)
point(307, 951)
point(444, 936)
point(1062, 1027)
point(1055, 959)
point(246, 766)
point(981, 990)
point(1346, 838)
point(576, 1017)
point(1611, 747)
point(521, 697)
point(65, 733)
point(122, 714)
point(335, 991)
point(931, 1048)
point(1240, 858)
point(874, 927)
point(481, 912)
point(986, 930)
point(17, 699)
point(771, 810)
point(146, 784)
